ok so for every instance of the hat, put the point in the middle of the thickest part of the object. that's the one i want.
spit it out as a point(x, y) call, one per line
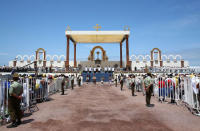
point(15, 75)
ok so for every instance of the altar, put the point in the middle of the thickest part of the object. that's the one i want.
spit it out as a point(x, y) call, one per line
point(85, 37)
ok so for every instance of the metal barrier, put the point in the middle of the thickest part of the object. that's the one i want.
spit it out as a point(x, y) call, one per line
point(180, 90)
point(4, 99)
point(54, 86)
point(35, 90)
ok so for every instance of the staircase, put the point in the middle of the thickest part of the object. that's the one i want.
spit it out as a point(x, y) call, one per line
point(98, 75)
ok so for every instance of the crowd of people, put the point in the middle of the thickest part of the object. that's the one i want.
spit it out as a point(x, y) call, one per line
point(171, 86)
point(16, 69)
point(99, 69)
point(39, 88)
point(137, 83)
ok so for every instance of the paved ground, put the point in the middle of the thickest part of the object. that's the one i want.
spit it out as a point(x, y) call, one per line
point(106, 108)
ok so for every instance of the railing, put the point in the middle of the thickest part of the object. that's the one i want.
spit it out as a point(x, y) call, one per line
point(35, 90)
point(182, 91)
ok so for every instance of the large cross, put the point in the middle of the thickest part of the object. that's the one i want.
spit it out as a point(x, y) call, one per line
point(97, 27)
point(68, 28)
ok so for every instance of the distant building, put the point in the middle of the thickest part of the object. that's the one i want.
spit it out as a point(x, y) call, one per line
point(156, 59)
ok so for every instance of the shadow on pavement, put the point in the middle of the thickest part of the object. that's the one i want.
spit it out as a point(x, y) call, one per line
point(27, 114)
point(27, 121)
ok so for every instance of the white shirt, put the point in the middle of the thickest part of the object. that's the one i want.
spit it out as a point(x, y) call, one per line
point(194, 83)
point(105, 68)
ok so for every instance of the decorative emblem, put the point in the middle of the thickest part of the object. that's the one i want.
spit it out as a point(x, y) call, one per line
point(68, 28)
point(97, 27)
point(126, 28)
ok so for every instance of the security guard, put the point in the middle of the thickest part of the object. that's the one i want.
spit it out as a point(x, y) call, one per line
point(148, 85)
point(116, 81)
point(15, 96)
point(133, 85)
point(63, 85)
point(122, 82)
point(72, 82)
point(79, 80)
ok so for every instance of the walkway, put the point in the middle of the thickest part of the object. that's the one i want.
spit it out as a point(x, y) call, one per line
point(106, 108)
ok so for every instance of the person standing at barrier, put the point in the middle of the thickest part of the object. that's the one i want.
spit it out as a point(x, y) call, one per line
point(72, 81)
point(194, 83)
point(121, 82)
point(15, 96)
point(198, 95)
point(148, 84)
point(128, 82)
point(153, 77)
point(161, 88)
point(63, 85)
point(116, 81)
point(137, 83)
point(119, 77)
point(171, 86)
point(142, 84)
point(94, 79)
point(79, 80)
point(133, 85)
point(87, 79)
point(67, 82)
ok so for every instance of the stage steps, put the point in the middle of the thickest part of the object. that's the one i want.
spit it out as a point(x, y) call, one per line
point(98, 75)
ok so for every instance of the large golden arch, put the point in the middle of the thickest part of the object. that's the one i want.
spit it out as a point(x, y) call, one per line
point(159, 51)
point(104, 57)
point(37, 53)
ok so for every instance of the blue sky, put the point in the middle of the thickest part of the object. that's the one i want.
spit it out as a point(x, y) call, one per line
point(171, 25)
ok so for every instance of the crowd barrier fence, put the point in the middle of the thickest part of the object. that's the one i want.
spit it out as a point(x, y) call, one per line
point(34, 91)
point(180, 91)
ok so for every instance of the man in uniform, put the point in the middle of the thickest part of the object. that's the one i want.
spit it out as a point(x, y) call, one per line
point(122, 82)
point(79, 80)
point(15, 96)
point(133, 85)
point(116, 81)
point(63, 85)
point(94, 79)
point(72, 82)
point(148, 85)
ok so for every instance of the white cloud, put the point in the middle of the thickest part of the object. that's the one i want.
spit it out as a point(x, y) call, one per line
point(187, 21)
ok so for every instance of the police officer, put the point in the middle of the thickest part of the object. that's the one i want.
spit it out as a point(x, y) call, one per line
point(148, 85)
point(72, 82)
point(79, 80)
point(121, 82)
point(15, 96)
point(116, 81)
point(63, 84)
point(133, 85)
point(94, 79)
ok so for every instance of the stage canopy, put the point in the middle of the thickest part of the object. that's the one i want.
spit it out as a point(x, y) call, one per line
point(97, 36)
